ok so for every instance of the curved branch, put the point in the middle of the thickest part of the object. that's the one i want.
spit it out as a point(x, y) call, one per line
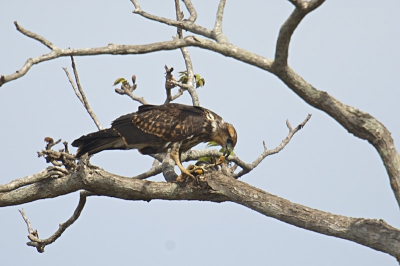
point(357, 122)
point(152, 172)
point(287, 29)
point(33, 235)
point(114, 49)
point(184, 24)
point(191, 9)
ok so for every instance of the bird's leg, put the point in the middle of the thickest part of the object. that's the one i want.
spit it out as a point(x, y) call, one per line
point(175, 155)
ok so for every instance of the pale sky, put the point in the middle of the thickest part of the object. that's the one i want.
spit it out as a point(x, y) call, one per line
point(348, 48)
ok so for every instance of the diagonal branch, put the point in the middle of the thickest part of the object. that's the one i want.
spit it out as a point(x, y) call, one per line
point(81, 94)
point(33, 235)
point(249, 167)
point(35, 36)
point(155, 170)
point(186, 25)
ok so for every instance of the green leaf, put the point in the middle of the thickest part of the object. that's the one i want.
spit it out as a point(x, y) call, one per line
point(120, 80)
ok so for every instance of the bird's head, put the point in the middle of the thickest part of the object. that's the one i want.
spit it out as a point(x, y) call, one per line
point(227, 138)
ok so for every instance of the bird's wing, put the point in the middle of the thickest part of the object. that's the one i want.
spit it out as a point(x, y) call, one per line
point(173, 122)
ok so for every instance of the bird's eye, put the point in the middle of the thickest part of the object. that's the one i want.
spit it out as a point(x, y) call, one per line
point(229, 141)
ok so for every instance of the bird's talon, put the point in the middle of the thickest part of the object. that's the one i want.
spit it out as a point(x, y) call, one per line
point(220, 160)
point(199, 171)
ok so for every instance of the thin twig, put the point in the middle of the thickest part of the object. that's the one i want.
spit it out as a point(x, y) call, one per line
point(178, 94)
point(33, 235)
point(177, 83)
point(249, 167)
point(35, 36)
point(169, 78)
point(73, 85)
point(186, 25)
point(188, 61)
point(83, 96)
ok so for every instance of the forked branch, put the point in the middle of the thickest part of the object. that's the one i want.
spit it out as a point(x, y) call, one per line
point(33, 235)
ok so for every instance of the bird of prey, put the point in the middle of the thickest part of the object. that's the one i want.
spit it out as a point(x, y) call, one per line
point(159, 128)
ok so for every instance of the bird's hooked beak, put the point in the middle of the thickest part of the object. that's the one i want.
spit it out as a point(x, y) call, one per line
point(228, 149)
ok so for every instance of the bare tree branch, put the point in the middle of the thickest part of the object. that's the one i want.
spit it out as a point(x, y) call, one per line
point(114, 49)
point(77, 93)
point(217, 31)
point(371, 233)
point(81, 94)
point(33, 235)
point(155, 170)
point(186, 25)
point(248, 167)
point(287, 29)
point(35, 36)
point(169, 83)
point(191, 9)
point(178, 94)
point(188, 61)
point(27, 180)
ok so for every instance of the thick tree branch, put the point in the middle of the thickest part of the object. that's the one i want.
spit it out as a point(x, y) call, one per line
point(371, 233)
point(357, 122)
point(376, 234)
point(114, 49)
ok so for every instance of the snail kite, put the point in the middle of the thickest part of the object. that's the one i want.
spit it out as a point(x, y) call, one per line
point(157, 128)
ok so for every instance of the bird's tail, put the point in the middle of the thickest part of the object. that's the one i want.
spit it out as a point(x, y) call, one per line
point(107, 139)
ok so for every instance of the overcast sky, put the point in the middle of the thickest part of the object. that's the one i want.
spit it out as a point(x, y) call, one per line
point(347, 48)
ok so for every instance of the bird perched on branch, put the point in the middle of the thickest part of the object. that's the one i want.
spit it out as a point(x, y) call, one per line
point(161, 128)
